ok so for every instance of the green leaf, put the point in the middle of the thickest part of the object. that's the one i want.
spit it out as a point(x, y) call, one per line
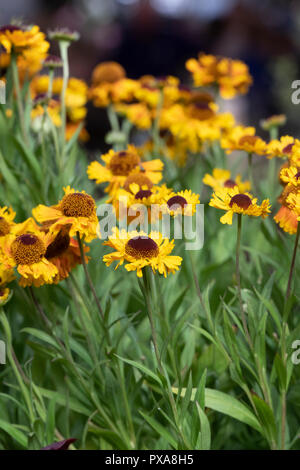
point(228, 405)
point(205, 434)
point(162, 431)
point(13, 432)
point(141, 368)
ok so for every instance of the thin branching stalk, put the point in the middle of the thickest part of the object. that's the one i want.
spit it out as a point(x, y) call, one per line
point(88, 277)
point(17, 87)
point(238, 279)
point(63, 47)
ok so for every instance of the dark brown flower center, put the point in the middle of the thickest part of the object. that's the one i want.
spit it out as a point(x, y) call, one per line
point(10, 28)
point(248, 139)
point(78, 205)
point(28, 249)
point(177, 201)
point(122, 163)
point(59, 245)
point(230, 183)
point(137, 178)
point(241, 200)
point(288, 148)
point(4, 227)
point(297, 175)
point(141, 247)
point(143, 193)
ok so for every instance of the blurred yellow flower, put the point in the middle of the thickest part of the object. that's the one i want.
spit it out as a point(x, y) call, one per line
point(222, 179)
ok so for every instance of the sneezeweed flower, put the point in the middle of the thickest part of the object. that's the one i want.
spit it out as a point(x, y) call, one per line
point(281, 148)
point(128, 203)
point(53, 61)
point(222, 179)
point(107, 72)
point(110, 85)
point(182, 202)
point(243, 138)
point(293, 202)
point(63, 252)
point(291, 176)
point(76, 209)
point(232, 76)
point(195, 123)
point(272, 122)
point(26, 250)
point(63, 34)
point(6, 276)
point(7, 215)
point(140, 250)
point(19, 39)
point(119, 165)
point(232, 201)
point(286, 218)
point(137, 113)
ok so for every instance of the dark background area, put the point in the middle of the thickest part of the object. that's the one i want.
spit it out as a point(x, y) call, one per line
point(158, 36)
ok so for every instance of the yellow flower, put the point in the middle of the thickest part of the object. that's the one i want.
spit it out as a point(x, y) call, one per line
point(290, 176)
point(4, 295)
point(63, 252)
point(182, 202)
point(119, 165)
point(287, 219)
point(26, 250)
point(139, 250)
point(76, 209)
point(107, 72)
point(137, 113)
point(153, 199)
point(293, 202)
point(243, 138)
point(232, 76)
point(195, 123)
point(281, 148)
point(7, 216)
point(274, 121)
point(106, 93)
point(19, 39)
point(232, 201)
point(222, 179)
point(6, 275)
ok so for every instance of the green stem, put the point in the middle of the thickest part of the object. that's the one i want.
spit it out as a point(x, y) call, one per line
point(19, 374)
point(16, 82)
point(50, 85)
point(238, 279)
point(148, 295)
point(88, 277)
point(292, 268)
point(284, 331)
point(156, 124)
point(63, 46)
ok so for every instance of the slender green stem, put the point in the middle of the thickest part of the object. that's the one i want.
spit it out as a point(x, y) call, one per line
point(250, 170)
point(19, 374)
point(16, 82)
point(156, 124)
point(238, 279)
point(292, 267)
point(148, 294)
point(284, 331)
point(88, 277)
point(63, 46)
point(50, 85)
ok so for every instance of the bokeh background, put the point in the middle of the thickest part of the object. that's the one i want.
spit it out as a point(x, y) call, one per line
point(158, 36)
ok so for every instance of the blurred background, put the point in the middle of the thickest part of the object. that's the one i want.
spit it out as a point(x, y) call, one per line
point(158, 36)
